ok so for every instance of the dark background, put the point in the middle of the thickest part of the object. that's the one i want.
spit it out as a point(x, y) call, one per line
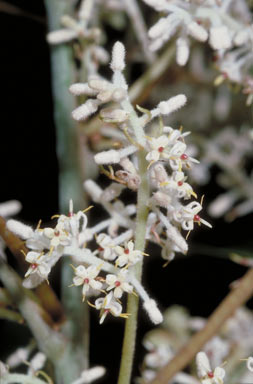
point(29, 174)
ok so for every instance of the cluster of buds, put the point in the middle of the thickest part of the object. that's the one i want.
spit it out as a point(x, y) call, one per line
point(165, 150)
point(226, 25)
point(228, 150)
point(70, 237)
point(79, 30)
point(165, 155)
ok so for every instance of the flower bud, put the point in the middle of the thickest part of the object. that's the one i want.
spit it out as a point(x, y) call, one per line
point(61, 36)
point(78, 89)
point(107, 157)
point(20, 229)
point(219, 38)
point(153, 312)
point(118, 57)
point(171, 105)
point(197, 31)
point(85, 110)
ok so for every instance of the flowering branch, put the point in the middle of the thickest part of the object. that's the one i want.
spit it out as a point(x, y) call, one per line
point(234, 300)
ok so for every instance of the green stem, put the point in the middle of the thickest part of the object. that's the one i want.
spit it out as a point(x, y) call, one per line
point(132, 304)
point(70, 187)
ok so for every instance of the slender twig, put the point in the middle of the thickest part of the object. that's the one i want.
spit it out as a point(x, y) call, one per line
point(234, 300)
point(140, 230)
point(44, 292)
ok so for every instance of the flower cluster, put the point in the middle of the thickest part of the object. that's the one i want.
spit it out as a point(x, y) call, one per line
point(226, 25)
point(165, 158)
point(87, 51)
point(162, 345)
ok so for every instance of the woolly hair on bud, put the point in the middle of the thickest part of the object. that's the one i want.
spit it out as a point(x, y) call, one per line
point(118, 57)
point(171, 105)
point(20, 229)
point(153, 312)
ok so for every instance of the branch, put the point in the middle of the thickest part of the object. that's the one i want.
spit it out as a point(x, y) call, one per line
point(44, 292)
point(232, 301)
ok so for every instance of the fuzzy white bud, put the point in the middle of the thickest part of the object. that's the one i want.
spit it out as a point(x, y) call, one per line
point(162, 199)
point(153, 312)
point(18, 357)
point(85, 10)
point(37, 362)
point(10, 208)
point(219, 38)
point(98, 84)
point(241, 37)
point(20, 229)
point(85, 110)
point(171, 105)
point(113, 191)
point(183, 51)
point(93, 190)
point(90, 375)
point(159, 28)
point(61, 36)
point(197, 31)
point(118, 57)
point(100, 54)
point(78, 89)
point(107, 157)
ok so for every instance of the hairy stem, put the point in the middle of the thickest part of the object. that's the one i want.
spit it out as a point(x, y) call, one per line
point(132, 304)
point(70, 187)
point(234, 300)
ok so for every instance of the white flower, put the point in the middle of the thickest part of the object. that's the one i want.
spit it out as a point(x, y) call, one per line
point(157, 146)
point(177, 184)
point(127, 255)
point(119, 284)
point(219, 38)
point(106, 246)
point(188, 215)
point(38, 264)
point(87, 278)
point(206, 375)
point(74, 223)
point(58, 236)
point(108, 304)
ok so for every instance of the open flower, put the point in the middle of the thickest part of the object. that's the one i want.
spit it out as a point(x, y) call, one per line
point(127, 255)
point(38, 264)
point(206, 375)
point(119, 284)
point(108, 304)
point(188, 215)
point(58, 236)
point(158, 148)
point(87, 278)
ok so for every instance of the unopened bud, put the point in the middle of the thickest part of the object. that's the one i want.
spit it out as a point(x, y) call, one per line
point(197, 31)
point(219, 38)
point(85, 110)
point(78, 89)
point(107, 157)
point(153, 312)
point(61, 36)
point(118, 57)
point(20, 229)
point(171, 105)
